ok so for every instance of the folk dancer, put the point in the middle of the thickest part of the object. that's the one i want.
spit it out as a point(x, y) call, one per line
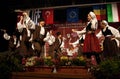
point(110, 41)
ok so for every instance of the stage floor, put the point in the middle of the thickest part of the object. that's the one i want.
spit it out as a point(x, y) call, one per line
point(76, 72)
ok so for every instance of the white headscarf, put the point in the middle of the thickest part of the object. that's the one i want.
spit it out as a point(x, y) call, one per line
point(92, 14)
point(94, 20)
point(105, 22)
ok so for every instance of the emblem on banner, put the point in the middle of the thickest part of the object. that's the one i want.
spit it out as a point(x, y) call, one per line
point(72, 14)
point(47, 13)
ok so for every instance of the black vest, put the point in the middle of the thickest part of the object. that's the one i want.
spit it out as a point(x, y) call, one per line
point(88, 28)
point(107, 32)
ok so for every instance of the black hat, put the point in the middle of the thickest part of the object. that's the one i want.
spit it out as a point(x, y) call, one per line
point(58, 33)
point(40, 19)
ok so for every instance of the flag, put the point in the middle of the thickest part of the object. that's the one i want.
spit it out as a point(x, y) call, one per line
point(100, 11)
point(112, 12)
point(72, 15)
point(118, 5)
point(35, 14)
point(48, 15)
point(96, 9)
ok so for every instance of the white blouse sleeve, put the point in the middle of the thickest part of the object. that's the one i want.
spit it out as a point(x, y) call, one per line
point(6, 36)
point(20, 26)
point(94, 24)
point(47, 37)
point(62, 45)
point(75, 43)
point(81, 32)
point(114, 31)
point(99, 34)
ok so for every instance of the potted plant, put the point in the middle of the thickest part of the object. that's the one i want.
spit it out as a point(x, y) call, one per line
point(9, 62)
point(107, 69)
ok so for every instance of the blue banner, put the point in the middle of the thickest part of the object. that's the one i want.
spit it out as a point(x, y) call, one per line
point(72, 15)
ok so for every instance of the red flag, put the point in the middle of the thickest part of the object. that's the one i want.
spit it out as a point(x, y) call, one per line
point(118, 5)
point(48, 16)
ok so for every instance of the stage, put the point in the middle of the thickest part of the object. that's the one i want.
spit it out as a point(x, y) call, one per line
point(63, 72)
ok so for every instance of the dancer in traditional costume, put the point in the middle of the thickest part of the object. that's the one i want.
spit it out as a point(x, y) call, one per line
point(91, 42)
point(38, 38)
point(50, 39)
point(110, 43)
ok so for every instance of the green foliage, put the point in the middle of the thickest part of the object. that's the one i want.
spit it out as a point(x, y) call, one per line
point(108, 69)
point(9, 62)
point(65, 62)
point(72, 61)
point(39, 62)
point(78, 62)
point(48, 62)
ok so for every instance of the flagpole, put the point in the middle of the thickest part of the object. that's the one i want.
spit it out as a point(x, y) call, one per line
point(66, 6)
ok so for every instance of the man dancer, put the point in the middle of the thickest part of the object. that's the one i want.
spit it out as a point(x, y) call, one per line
point(38, 38)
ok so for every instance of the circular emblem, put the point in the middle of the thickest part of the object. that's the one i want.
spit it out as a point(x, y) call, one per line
point(72, 14)
point(47, 13)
